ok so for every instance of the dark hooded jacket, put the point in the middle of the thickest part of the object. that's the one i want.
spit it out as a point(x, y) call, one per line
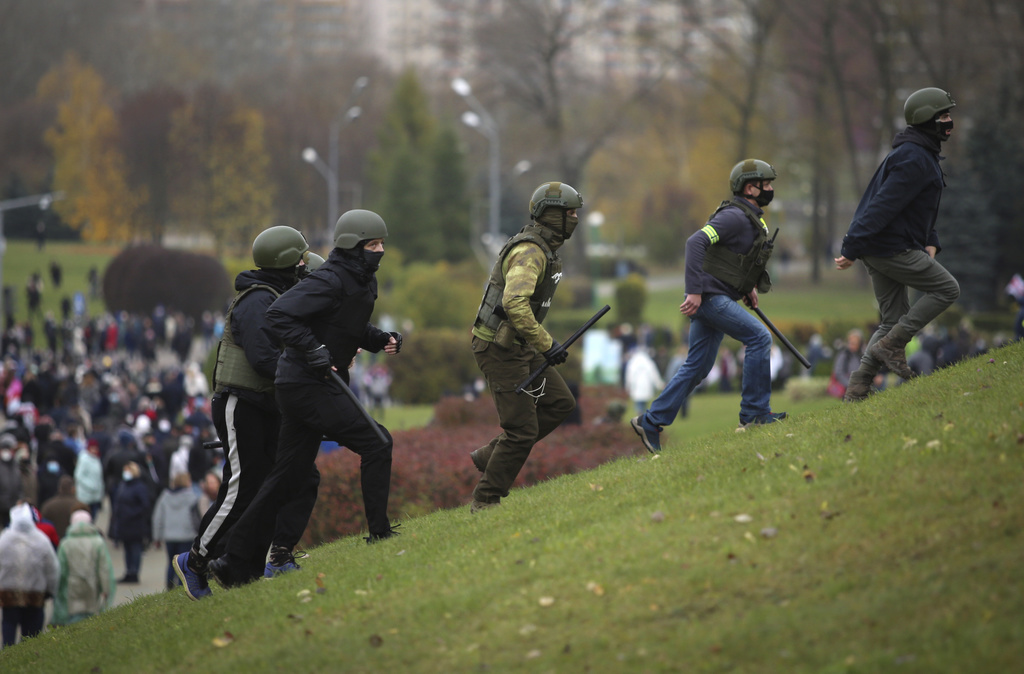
point(331, 307)
point(899, 207)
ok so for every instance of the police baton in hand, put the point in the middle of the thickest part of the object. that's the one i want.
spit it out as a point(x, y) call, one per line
point(782, 338)
point(359, 406)
point(565, 345)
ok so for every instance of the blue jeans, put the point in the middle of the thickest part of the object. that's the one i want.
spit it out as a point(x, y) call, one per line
point(717, 317)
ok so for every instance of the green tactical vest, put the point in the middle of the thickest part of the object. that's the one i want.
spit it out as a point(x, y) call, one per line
point(233, 368)
point(491, 314)
point(745, 271)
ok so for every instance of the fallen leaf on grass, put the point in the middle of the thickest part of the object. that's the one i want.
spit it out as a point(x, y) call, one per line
point(533, 654)
point(546, 601)
point(376, 640)
point(527, 630)
point(657, 516)
point(595, 588)
point(596, 487)
point(225, 639)
point(934, 444)
point(769, 532)
point(743, 517)
point(320, 579)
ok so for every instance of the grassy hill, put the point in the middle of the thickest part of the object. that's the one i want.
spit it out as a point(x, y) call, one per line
point(884, 536)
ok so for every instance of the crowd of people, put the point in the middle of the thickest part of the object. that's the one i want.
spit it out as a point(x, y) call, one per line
point(105, 420)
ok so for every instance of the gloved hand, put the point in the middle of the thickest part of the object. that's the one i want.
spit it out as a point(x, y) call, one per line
point(319, 358)
point(556, 355)
point(398, 340)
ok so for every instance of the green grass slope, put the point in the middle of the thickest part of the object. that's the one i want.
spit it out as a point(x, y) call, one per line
point(884, 536)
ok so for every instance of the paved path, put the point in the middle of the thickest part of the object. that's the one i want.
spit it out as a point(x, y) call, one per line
point(152, 575)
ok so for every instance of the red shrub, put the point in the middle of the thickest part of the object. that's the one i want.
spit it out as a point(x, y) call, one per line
point(431, 467)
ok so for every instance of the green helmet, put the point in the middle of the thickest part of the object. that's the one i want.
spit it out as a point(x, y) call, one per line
point(279, 247)
point(358, 225)
point(750, 169)
point(554, 194)
point(313, 261)
point(924, 104)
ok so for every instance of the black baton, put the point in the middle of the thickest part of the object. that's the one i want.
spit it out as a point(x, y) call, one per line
point(359, 406)
point(565, 345)
point(782, 338)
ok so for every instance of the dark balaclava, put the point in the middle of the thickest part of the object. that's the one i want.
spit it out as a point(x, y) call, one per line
point(366, 261)
point(557, 225)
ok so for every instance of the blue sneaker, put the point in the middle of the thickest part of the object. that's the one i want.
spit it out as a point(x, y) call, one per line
point(196, 586)
point(281, 561)
point(761, 420)
point(649, 438)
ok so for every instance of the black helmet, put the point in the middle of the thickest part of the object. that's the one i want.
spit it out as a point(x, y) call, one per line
point(924, 105)
point(750, 169)
point(279, 247)
point(358, 225)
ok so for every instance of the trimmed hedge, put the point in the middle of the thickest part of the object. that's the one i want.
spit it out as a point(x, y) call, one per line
point(141, 277)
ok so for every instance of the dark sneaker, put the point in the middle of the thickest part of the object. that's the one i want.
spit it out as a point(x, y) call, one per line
point(220, 571)
point(376, 538)
point(282, 560)
point(196, 585)
point(650, 439)
point(477, 506)
point(761, 420)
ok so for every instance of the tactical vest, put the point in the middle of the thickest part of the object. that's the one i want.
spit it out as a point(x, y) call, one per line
point(233, 368)
point(745, 271)
point(491, 313)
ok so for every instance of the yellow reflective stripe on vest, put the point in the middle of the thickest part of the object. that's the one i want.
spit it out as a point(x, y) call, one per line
point(712, 234)
point(764, 225)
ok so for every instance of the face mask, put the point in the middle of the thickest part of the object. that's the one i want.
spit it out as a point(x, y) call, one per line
point(6, 455)
point(764, 197)
point(53, 466)
point(371, 259)
point(943, 127)
point(126, 476)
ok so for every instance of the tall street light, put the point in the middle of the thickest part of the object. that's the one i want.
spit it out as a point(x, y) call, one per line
point(348, 114)
point(481, 120)
point(310, 156)
point(43, 201)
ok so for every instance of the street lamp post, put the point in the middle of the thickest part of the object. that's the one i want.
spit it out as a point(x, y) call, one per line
point(43, 201)
point(310, 156)
point(481, 120)
point(349, 113)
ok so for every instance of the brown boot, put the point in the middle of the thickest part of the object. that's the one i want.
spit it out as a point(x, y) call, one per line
point(890, 350)
point(481, 457)
point(859, 388)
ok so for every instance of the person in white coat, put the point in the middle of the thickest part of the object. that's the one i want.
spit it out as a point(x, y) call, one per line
point(28, 575)
point(642, 378)
point(89, 478)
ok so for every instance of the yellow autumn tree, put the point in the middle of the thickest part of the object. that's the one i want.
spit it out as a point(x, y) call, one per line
point(222, 169)
point(88, 164)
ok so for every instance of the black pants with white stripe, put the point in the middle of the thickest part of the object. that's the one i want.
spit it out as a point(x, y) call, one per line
point(250, 437)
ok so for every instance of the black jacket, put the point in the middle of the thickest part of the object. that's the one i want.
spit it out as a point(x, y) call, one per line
point(251, 332)
point(330, 307)
point(899, 207)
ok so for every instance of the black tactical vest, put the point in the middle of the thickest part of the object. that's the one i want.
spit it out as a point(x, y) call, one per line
point(743, 271)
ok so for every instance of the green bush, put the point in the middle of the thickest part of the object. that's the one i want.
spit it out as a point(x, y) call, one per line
point(433, 363)
point(630, 298)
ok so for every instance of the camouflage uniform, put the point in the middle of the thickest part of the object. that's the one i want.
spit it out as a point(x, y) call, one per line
point(526, 274)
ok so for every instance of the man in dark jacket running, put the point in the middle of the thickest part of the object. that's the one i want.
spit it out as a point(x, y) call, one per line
point(322, 322)
point(893, 234)
point(246, 416)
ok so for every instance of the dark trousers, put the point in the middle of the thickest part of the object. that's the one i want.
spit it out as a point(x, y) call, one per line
point(525, 419)
point(30, 618)
point(310, 411)
point(250, 437)
point(132, 557)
